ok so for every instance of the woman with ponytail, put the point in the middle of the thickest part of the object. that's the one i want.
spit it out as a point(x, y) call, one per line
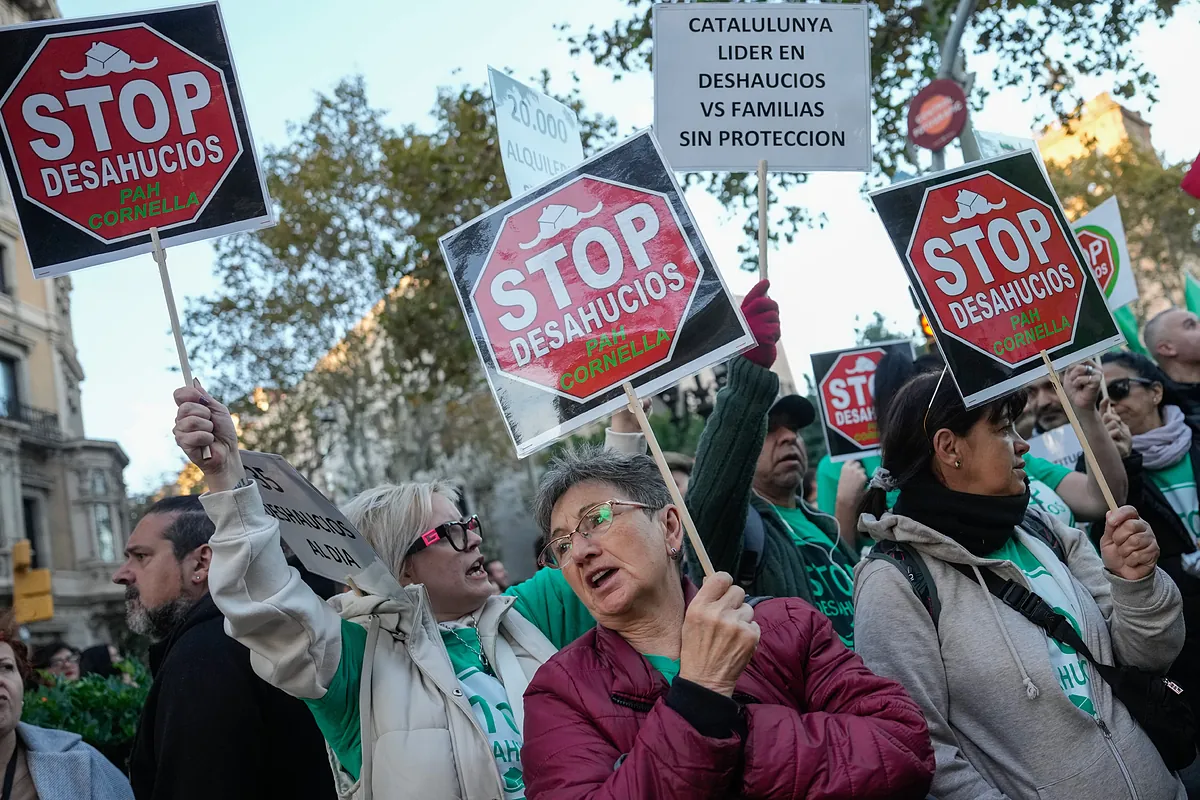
point(1012, 713)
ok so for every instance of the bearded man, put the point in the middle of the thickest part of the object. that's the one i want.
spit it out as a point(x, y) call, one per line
point(210, 728)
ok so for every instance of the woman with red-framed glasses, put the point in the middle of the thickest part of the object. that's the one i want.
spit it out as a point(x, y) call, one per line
point(418, 684)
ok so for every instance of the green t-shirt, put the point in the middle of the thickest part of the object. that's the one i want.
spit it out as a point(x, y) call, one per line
point(669, 667)
point(1178, 485)
point(489, 701)
point(1052, 585)
point(830, 572)
point(828, 474)
point(545, 600)
point(1044, 478)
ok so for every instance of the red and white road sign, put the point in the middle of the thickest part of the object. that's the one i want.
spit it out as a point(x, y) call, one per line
point(848, 397)
point(997, 268)
point(118, 130)
point(586, 287)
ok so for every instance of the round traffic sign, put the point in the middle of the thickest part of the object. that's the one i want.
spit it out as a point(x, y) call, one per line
point(937, 114)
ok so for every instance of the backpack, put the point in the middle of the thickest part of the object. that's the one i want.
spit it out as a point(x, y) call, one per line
point(905, 558)
point(753, 537)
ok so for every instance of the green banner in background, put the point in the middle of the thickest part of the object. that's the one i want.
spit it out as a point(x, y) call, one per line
point(1128, 325)
point(1191, 292)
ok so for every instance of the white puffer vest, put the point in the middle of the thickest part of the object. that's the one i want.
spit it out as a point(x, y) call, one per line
point(420, 738)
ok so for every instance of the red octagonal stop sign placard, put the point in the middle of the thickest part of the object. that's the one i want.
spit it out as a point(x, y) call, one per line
point(119, 130)
point(589, 288)
point(848, 397)
point(1099, 251)
point(997, 268)
point(586, 287)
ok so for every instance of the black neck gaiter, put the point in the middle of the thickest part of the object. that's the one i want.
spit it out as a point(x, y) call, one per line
point(980, 523)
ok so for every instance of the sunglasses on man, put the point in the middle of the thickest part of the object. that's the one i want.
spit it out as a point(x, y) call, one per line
point(456, 533)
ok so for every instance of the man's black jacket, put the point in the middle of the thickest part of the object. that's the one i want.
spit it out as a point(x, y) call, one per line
point(212, 729)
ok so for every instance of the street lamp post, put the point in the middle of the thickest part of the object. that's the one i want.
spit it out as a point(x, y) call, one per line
point(946, 69)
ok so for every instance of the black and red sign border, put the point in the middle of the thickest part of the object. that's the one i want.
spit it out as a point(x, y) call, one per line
point(705, 336)
point(979, 378)
point(241, 203)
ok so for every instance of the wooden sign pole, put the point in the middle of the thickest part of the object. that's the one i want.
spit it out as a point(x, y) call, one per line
point(1103, 383)
point(1092, 463)
point(160, 257)
point(635, 406)
point(762, 219)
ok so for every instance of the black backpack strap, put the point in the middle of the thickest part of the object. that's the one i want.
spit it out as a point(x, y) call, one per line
point(1037, 526)
point(1032, 607)
point(753, 539)
point(909, 561)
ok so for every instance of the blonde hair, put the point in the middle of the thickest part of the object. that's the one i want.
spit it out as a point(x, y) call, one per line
point(392, 516)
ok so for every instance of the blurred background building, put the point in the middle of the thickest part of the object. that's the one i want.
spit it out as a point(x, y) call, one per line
point(63, 492)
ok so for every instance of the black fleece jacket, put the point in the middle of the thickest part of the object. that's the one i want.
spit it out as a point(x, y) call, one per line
point(212, 729)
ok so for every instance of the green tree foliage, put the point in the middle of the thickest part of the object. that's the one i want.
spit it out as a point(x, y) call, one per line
point(360, 208)
point(878, 329)
point(1162, 222)
point(344, 310)
point(1042, 45)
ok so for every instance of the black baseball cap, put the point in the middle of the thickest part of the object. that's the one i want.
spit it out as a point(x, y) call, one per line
point(794, 411)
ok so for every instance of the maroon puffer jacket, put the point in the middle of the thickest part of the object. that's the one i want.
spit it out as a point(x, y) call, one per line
point(818, 723)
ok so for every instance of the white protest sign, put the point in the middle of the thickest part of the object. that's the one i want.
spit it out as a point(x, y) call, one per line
point(998, 144)
point(317, 532)
point(736, 83)
point(1060, 446)
point(539, 136)
point(1101, 234)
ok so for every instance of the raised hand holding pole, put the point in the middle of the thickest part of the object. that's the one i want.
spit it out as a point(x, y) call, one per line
point(1088, 454)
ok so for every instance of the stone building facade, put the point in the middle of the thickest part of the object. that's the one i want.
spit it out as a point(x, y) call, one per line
point(59, 489)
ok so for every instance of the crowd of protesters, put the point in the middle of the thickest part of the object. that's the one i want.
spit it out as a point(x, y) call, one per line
point(953, 619)
point(984, 647)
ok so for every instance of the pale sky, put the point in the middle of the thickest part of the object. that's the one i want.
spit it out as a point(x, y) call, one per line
point(287, 50)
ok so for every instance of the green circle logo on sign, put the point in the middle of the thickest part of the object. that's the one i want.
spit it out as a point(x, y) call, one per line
point(1100, 249)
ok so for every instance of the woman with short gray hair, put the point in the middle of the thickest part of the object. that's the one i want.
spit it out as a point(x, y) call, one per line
point(680, 693)
point(417, 682)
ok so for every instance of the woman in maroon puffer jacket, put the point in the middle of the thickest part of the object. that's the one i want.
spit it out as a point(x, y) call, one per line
point(694, 695)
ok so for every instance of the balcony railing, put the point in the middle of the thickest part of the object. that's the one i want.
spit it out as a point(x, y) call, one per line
point(43, 425)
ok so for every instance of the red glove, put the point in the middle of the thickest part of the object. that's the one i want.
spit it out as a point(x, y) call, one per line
point(762, 315)
point(1191, 181)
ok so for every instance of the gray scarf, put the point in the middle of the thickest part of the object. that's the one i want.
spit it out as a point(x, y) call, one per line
point(1166, 446)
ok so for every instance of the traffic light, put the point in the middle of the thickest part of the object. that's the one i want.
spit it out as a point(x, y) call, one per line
point(926, 329)
point(32, 601)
